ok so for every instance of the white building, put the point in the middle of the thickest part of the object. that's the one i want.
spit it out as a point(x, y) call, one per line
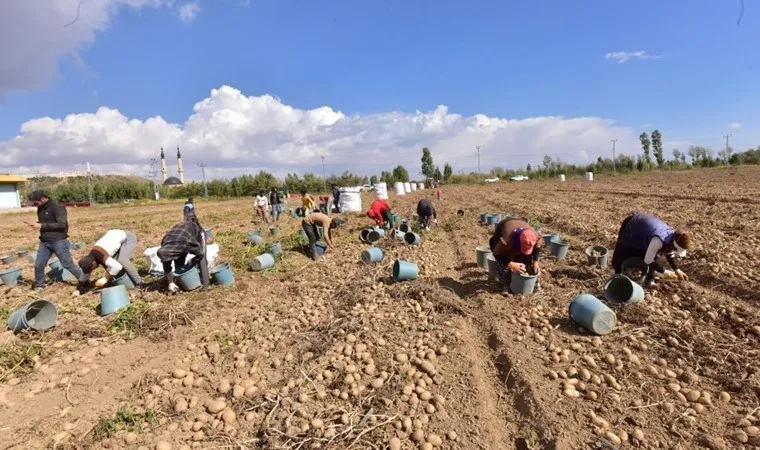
point(9, 191)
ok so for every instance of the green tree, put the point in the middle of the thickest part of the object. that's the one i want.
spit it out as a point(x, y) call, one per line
point(528, 168)
point(400, 174)
point(645, 144)
point(387, 177)
point(447, 171)
point(428, 168)
point(373, 180)
point(659, 156)
point(438, 175)
point(676, 155)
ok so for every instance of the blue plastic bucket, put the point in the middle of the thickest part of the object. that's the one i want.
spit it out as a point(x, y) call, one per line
point(483, 218)
point(412, 238)
point(493, 267)
point(188, 278)
point(493, 219)
point(596, 255)
point(481, 253)
point(32, 256)
point(404, 228)
point(22, 252)
point(55, 265)
point(321, 248)
point(522, 284)
point(38, 315)
point(275, 231)
point(364, 235)
point(8, 258)
point(254, 238)
point(209, 235)
point(558, 249)
point(77, 245)
point(549, 238)
point(262, 262)
point(398, 235)
point(375, 235)
point(11, 276)
point(276, 249)
point(61, 275)
point(372, 255)
point(621, 290)
point(222, 274)
point(404, 270)
point(124, 280)
point(593, 315)
point(113, 299)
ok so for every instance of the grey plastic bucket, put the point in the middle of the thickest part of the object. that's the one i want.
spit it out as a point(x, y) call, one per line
point(493, 267)
point(188, 277)
point(364, 234)
point(375, 234)
point(404, 227)
point(621, 290)
point(558, 249)
point(635, 264)
point(372, 255)
point(263, 261)
point(593, 315)
point(321, 248)
point(398, 235)
point(600, 259)
point(11, 276)
point(481, 253)
point(274, 230)
point(38, 315)
point(113, 299)
point(412, 238)
point(276, 248)
point(483, 218)
point(549, 238)
point(522, 284)
point(124, 280)
point(55, 264)
point(22, 252)
point(8, 258)
point(404, 270)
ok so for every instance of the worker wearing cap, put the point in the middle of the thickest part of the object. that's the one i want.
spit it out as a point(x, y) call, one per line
point(53, 225)
point(380, 212)
point(114, 252)
point(516, 248)
point(645, 236)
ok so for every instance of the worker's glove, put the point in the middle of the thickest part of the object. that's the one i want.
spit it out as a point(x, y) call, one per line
point(681, 275)
point(435, 221)
point(667, 274)
point(516, 267)
point(101, 282)
point(173, 288)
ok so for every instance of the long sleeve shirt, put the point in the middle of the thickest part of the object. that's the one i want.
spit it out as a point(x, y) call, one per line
point(650, 257)
point(505, 231)
point(376, 211)
point(53, 219)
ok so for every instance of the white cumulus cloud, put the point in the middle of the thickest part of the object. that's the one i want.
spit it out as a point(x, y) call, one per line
point(622, 57)
point(734, 125)
point(36, 34)
point(234, 134)
point(188, 12)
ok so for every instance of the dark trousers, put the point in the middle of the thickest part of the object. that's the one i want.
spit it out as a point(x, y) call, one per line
point(62, 250)
point(200, 262)
point(311, 234)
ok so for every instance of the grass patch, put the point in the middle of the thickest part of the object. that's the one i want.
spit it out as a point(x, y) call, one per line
point(128, 319)
point(4, 314)
point(124, 419)
point(451, 225)
point(19, 357)
point(157, 320)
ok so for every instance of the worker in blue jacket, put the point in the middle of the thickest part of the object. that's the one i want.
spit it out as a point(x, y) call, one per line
point(645, 236)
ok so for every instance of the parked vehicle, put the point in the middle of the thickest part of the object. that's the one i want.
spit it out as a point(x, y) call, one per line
point(519, 178)
point(492, 180)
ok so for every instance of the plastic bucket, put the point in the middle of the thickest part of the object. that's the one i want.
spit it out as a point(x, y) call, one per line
point(549, 238)
point(364, 234)
point(113, 299)
point(77, 245)
point(460, 212)
point(276, 249)
point(188, 278)
point(404, 228)
point(254, 238)
point(593, 315)
point(412, 238)
point(483, 218)
point(633, 265)
point(320, 232)
point(398, 235)
point(559, 249)
point(522, 284)
point(372, 255)
point(222, 274)
point(375, 235)
point(275, 231)
point(10, 276)
point(124, 280)
point(55, 265)
point(22, 252)
point(32, 256)
point(209, 235)
point(8, 258)
point(300, 212)
point(61, 275)
point(321, 248)
point(596, 255)
point(493, 267)
point(621, 290)
point(38, 315)
point(404, 270)
point(262, 262)
point(481, 253)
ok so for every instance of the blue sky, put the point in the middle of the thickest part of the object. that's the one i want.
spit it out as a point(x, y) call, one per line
point(512, 60)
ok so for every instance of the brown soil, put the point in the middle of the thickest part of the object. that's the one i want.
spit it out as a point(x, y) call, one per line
point(336, 355)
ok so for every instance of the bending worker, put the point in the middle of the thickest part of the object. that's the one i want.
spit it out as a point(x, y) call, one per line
point(380, 212)
point(114, 252)
point(645, 236)
point(516, 248)
point(185, 238)
point(307, 202)
point(426, 213)
point(310, 224)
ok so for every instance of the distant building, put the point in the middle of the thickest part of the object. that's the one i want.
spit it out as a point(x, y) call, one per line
point(172, 181)
point(9, 191)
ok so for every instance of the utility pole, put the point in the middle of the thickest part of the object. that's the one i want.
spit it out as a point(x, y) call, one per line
point(89, 184)
point(203, 165)
point(324, 174)
point(727, 136)
point(614, 164)
point(478, 149)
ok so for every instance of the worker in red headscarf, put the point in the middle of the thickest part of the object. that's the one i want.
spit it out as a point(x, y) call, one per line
point(380, 212)
point(517, 248)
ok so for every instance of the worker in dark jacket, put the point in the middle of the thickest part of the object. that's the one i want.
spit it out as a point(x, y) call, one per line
point(52, 222)
point(185, 238)
point(426, 213)
point(645, 236)
point(516, 248)
point(336, 197)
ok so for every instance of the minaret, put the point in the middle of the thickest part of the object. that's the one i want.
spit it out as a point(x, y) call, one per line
point(163, 165)
point(179, 167)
